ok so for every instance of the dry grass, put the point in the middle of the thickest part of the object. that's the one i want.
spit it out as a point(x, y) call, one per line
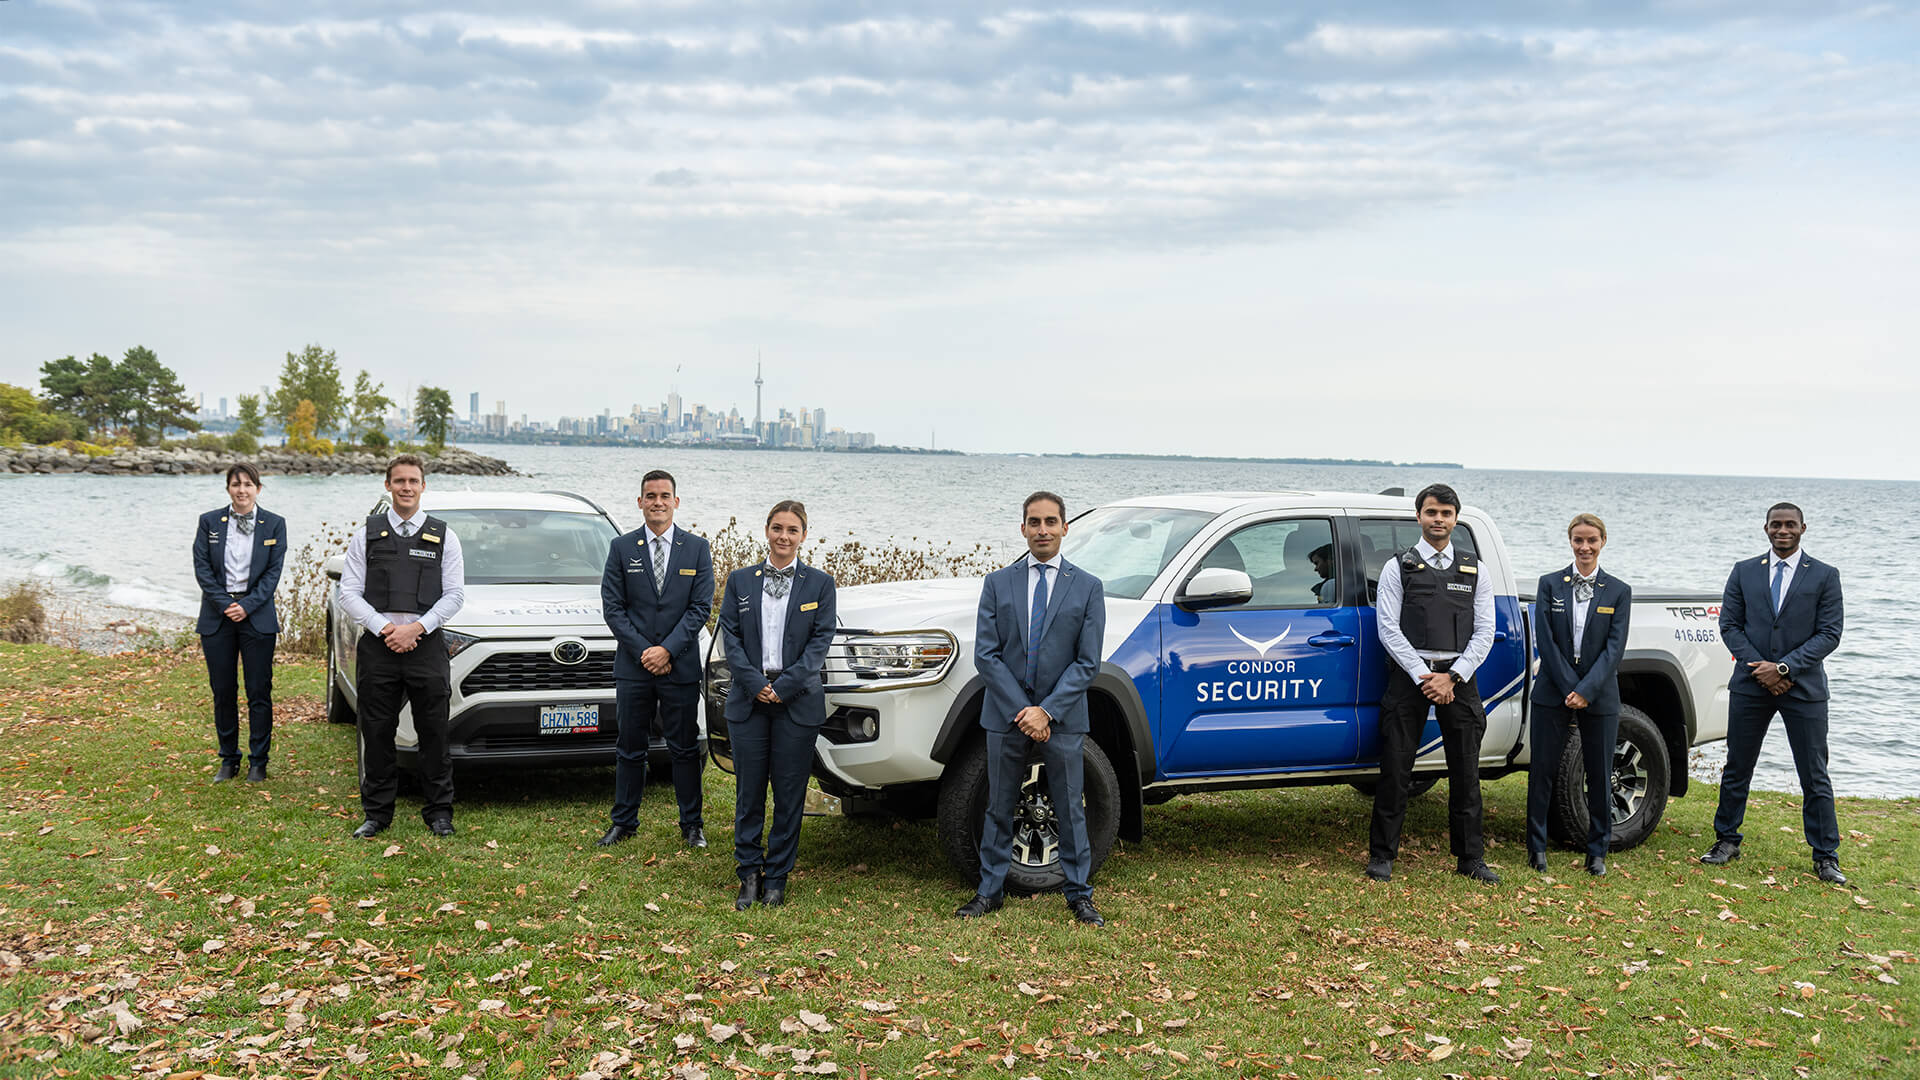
point(23, 615)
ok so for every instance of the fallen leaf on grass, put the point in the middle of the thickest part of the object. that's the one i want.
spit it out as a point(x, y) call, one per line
point(722, 1032)
point(392, 850)
point(212, 945)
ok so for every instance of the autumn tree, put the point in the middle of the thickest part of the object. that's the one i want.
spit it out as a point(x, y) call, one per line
point(313, 374)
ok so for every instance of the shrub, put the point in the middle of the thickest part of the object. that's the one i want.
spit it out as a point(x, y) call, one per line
point(92, 450)
point(376, 441)
point(242, 442)
point(207, 440)
point(304, 589)
point(23, 618)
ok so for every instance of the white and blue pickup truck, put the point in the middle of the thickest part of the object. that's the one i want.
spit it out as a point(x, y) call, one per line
point(1240, 653)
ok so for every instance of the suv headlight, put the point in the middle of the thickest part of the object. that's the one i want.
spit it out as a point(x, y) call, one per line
point(879, 660)
point(457, 643)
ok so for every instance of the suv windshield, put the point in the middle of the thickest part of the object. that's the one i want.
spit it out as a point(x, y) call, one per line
point(509, 547)
point(1126, 547)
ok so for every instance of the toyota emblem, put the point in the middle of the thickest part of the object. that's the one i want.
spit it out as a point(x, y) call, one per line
point(569, 651)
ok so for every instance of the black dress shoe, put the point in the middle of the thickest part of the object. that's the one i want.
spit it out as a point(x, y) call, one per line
point(979, 905)
point(441, 826)
point(1084, 911)
point(773, 895)
point(369, 829)
point(1538, 861)
point(1596, 866)
point(227, 772)
point(256, 773)
point(694, 836)
point(1380, 869)
point(1721, 853)
point(749, 893)
point(614, 835)
point(1829, 871)
point(1478, 870)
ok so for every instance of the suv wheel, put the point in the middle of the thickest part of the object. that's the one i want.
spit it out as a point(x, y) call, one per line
point(1640, 782)
point(338, 711)
point(1035, 867)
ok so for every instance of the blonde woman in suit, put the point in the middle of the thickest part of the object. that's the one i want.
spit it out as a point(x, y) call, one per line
point(1580, 618)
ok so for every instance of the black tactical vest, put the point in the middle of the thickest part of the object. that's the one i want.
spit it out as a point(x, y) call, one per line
point(1436, 606)
point(404, 574)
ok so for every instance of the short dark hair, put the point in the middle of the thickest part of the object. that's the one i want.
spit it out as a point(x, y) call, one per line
point(246, 469)
point(1786, 506)
point(414, 460)
point(790, 506)
point(659, 474)
point(1037, 497)
point(1445, 495)
point(1324, 551)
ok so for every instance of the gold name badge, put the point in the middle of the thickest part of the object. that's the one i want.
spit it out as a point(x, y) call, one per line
point(1469, 569)
point(430, 538)
point(809, 606)
point(688, 573)
point(1603, 610)
point(269, 543)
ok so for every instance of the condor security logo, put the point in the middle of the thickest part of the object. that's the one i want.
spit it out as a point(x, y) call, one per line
point(1260, 648)
point(1260, 679)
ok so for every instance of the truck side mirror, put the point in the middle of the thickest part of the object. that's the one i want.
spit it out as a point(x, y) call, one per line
point(1215, 587)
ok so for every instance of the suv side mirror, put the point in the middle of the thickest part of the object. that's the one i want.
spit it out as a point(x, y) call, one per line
point(1215, 587)
point(335, 566)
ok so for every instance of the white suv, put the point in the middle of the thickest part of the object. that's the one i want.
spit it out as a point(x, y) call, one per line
point(532, 655)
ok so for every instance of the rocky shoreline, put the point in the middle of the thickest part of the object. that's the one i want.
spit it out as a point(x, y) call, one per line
point(271, 460)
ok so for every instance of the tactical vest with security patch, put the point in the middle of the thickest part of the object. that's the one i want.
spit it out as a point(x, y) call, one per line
point(403, 574)
point(1436, 606)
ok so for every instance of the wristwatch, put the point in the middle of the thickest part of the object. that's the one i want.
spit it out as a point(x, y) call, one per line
point(1457, 680)
point(1783, 669)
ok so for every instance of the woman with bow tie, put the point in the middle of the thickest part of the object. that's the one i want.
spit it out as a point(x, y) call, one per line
point(237, 551)
point(1580, 619)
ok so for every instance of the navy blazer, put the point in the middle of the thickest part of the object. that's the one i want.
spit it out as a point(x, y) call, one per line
point(1072, 641)
point(641, 616)
point(263, 573)
point(810, 625)
point(1806, 630)
point(1601, 646)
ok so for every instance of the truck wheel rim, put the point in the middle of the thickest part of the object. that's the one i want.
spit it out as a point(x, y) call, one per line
point(1630, 781)
point(1036, 833)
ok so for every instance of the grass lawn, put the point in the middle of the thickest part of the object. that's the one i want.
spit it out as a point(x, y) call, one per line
point(153, 924)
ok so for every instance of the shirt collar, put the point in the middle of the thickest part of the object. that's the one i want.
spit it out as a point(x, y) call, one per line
point(667, 536)
point(1053, 562)
point(768, 564)
point(419, 518)
point(232, 513)
point(1792, 561)
point(1574, 571)
point(1429, 552)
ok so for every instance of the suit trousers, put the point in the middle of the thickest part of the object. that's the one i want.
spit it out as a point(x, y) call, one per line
point(233, 648)
point(385, 680)
point(1748, 718)
point(1062, 754)
point(1403, 718)
point(636, 702)
point(1551, 725)
point(770, 750)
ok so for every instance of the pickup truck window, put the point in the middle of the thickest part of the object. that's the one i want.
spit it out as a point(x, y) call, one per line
point(1285, 561)
point(1126, 547)
point(512, 547)
point(1381, 539)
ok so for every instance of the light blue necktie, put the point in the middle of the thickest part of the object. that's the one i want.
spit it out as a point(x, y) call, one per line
point(1035, 621)
point(1779, 579)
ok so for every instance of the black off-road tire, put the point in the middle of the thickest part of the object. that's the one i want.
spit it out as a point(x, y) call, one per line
point(1640, 779)
point(963, 811)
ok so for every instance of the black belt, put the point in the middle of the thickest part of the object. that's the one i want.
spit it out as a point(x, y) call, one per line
point(1442, 666)
point(770, 675)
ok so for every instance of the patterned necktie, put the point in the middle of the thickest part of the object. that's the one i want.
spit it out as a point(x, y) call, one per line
point(660, 564)
point(405, 529)
point(244, 523)
point(779, 581)
point(1583, 586)
point(1035, 621)
point(1439, 560)
point(1779, 582)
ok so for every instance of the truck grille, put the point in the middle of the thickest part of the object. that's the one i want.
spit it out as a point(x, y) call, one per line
point(538, 671)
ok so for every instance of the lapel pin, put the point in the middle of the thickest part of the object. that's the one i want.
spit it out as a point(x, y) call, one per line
point(1568, 578)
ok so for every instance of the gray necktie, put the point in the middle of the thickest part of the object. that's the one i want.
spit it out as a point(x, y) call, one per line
point(406, 529)
point(243, 522)
point(780, 581)
point(1583, 587)
point(1440, 560)
point(660, 564)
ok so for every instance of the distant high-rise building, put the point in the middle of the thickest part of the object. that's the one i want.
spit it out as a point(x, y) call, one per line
point(819, 424)
point(473, 408)
point(223, 408)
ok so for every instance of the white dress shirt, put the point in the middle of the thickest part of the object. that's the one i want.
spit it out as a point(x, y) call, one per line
point(773, 622)
point(1394, 640)
point(239, 553)
point(654, 542)
point(1033, 583)
point(1786, 579)
point(453, 581)
point(1577, 611)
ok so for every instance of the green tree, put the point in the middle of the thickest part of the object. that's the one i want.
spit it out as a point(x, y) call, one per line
point(313, 374)
point(24, 417)
point(251, 421)
point(433, 415)
point(95, 390)
point(158, 399)
point(366, 418)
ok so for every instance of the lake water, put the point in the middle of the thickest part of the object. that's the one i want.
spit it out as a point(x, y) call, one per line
point(129, 538)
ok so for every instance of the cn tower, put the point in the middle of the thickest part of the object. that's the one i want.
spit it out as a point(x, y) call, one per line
point(757, 383)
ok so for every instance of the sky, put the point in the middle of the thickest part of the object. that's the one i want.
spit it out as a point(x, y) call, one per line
point(1610, 235)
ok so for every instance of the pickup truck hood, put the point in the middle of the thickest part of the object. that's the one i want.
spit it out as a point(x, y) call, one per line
point(948, 603)
point(575, 608)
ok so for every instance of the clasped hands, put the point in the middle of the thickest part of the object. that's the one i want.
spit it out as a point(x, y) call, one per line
point(402, 639)
point(235, 612)
point(1767, 674)
point(1438, 686)
point(1034, 722)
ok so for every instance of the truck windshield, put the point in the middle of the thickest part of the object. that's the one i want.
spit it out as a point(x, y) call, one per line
point(1126, 547)
point(508, 547)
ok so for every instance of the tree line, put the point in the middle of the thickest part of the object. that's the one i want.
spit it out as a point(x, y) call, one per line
point(139, 399)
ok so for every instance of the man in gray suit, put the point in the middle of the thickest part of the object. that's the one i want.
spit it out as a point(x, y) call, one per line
point(1038, 644)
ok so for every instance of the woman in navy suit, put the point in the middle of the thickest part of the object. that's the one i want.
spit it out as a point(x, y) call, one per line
point(1580, 619)
point(237, 552)
point(776, 621)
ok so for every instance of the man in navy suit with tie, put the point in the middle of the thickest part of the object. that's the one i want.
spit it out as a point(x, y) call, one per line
point(655, 595)
point(1037, 643)
point(1781, 616)
point(237, 552)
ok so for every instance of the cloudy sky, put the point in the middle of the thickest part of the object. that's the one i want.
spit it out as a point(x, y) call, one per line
point(1675, 237)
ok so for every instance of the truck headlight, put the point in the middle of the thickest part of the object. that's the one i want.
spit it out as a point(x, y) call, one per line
point(874, 660)
point(457, 643)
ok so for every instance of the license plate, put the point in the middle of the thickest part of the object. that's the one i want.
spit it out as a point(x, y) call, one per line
point(569, 719)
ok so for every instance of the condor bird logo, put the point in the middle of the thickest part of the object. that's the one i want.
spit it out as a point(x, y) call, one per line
point(1261, 648)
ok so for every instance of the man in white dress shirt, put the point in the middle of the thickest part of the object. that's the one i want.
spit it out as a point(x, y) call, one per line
point(403, 581)
point(1436, 621)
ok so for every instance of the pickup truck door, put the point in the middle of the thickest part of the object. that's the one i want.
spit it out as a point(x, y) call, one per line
point(1269, 685)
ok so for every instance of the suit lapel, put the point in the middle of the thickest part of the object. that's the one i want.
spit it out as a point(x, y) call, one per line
point(1560, 606)
point(646, 559)
point(1054, 596)
point(1022, 598)
point(1800, 576)
point(258, 566)
point(753, 617)
point(1762, 570)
